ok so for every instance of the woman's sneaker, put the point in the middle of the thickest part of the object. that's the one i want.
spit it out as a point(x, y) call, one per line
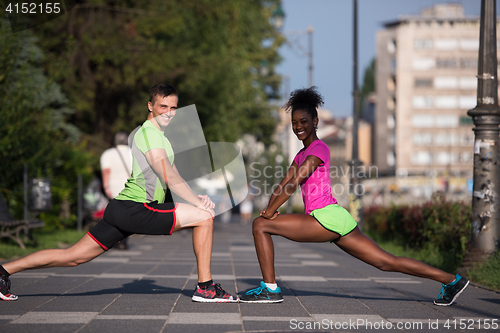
point(262, 294)
point(212, 294)
point(450, 292)
point(5, 293)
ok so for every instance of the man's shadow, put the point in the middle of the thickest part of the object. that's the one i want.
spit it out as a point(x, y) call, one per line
point(135, 287)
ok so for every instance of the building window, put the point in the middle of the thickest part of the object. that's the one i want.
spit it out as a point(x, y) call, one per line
point(422, 102)
point(422, 139)
point(393, 64)
point(422, 121)
point(391, 159)
point(391, 103)
point(467, 102)
point(445, 82)
point(468, 83)
point(466, 121)
point(446, 121)
point(421, 158)
point(446, 63)
point(391, 122)
point(445, 102)
point(391, 84)
point(423, 64)
point(466, 157)
point(444, 158)
point(468, 63)
point(391, 140)
point(469, 44)
point(446, 139)
point(446, 44)
point(423, 44)
point(467, 140)
point(423, 83)
point(391, 46)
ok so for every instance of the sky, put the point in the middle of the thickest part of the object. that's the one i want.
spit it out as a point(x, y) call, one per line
point(332, 21)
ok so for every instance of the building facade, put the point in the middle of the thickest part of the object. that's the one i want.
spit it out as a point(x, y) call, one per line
point(426, 82)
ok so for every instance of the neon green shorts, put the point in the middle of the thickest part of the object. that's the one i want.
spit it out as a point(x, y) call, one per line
point(335, 218)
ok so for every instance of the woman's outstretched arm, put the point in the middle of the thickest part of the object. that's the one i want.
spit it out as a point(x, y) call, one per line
point(292, 169)
point(284, 192)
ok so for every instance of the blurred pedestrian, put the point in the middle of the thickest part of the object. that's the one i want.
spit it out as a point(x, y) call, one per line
point(116, 166)
point(246, 209)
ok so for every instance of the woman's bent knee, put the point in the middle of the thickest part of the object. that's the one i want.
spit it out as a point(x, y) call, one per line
point(260, 225)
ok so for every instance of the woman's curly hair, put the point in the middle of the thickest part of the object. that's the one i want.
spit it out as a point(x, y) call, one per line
point(305, 99)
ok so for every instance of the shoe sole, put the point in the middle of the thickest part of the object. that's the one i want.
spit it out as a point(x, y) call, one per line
point(8, 298)
point(264, 301)
point(213, 300)
point(454, 298)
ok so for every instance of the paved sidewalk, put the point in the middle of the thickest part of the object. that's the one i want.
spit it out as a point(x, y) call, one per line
point(149, 287)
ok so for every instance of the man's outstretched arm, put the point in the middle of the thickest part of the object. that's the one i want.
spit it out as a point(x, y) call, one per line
point(159, 162)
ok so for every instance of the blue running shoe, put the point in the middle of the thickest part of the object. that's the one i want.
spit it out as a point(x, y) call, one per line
point(450, 292)
point(262, 294)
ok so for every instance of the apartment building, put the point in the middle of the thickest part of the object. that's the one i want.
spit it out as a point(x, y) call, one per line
point(426, 82)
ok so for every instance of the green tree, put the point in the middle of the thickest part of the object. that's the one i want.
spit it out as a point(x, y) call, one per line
point(33, 129)
point(368, 85)
point(107, 53)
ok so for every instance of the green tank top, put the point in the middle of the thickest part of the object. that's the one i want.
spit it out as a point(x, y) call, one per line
point(143, 184)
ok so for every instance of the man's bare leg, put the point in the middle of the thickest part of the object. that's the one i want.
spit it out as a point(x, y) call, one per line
point(201, 221)
point(84, 250)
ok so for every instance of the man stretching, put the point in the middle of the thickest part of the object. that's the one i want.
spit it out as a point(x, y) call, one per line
point(140, 208)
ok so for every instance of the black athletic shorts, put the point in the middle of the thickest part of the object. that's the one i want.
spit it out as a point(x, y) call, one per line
point(123, 218)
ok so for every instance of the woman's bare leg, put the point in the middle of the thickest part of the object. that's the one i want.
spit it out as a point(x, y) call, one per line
point(364, 248)
point(84, 250)
point(296, 227)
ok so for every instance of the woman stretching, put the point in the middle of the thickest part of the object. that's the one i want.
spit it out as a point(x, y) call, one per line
point(324, 220)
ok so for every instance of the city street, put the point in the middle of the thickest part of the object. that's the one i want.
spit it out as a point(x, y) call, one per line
point(149, 287)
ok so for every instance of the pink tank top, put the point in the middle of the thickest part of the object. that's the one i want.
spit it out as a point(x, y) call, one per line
point(316, 189)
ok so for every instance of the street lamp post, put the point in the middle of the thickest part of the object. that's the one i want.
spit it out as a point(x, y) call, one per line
point(486, 117)
point(310, 53)
point(355, 194)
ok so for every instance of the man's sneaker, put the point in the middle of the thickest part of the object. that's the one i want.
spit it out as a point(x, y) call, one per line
point(450, 292)
point(212, 294)
point(262, 294)
point(5, 293)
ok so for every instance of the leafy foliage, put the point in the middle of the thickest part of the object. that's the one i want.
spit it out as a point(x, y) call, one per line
point(442, 224)
point(34, 130)
point(107, 53)
point(487, 273)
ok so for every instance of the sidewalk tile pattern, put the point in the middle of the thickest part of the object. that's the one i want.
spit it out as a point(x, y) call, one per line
point(149, 287)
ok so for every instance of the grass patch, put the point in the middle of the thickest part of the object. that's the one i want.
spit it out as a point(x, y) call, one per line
point(52, 239)
point(429, 253)
point(488, 273)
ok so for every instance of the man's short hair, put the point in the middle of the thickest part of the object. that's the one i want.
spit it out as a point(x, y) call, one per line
point(162, 90)
point(121, 138)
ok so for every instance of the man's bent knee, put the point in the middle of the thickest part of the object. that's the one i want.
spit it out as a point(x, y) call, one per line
point(205, 220)
point(77, 261)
